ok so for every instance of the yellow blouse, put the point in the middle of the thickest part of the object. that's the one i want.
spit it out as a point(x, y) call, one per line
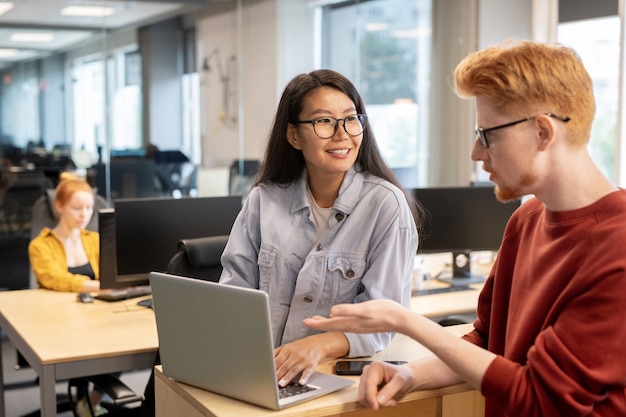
point(48, 261)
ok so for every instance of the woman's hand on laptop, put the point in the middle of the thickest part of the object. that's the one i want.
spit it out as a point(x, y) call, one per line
point(302, 356)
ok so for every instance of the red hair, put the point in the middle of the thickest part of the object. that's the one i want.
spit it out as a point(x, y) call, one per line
point(524, 78)
point(67, 187)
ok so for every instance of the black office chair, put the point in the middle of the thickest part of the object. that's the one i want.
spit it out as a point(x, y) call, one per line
point(199, 258)
point(27, 186)
point(119, 393)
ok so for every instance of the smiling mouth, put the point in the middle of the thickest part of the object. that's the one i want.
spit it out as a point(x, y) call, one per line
point(339, 151)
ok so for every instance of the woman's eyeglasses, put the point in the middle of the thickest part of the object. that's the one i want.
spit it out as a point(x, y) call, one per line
point(326, 127)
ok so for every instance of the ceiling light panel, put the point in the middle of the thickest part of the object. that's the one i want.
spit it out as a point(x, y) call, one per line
point(87, 11)
point(7, 53)
point(32, 37)
point(5, 7)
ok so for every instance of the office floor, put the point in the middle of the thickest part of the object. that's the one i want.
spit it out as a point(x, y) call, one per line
point(22, 401)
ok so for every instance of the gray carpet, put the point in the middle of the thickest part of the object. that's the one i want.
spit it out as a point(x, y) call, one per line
point(24, 400)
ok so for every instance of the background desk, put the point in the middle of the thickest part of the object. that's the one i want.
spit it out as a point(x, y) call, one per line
point(446, 303)
point(174, 398)
point(62, 338)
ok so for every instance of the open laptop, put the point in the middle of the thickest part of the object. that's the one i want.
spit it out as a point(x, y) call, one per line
point(218, 337)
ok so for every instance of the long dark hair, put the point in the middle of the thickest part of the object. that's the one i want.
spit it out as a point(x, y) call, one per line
point(283, 164)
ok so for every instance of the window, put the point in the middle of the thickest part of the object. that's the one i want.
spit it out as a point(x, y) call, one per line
point(89, 119)
point(597, 41)
point(88, 101)
point(126, 100)
point(383, 47)
point(19, 109)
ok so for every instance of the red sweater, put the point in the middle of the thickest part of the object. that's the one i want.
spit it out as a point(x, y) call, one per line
point(554, 311)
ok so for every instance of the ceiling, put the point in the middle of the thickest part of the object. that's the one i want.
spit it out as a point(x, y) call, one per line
point(43, 18)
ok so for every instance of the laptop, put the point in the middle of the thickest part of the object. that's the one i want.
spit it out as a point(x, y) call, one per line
point(218, 337)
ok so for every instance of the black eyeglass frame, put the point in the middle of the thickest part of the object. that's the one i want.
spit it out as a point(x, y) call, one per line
point(481, 133)
point(362, 118)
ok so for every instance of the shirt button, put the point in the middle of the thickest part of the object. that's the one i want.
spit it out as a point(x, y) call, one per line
point(319, 247)
point(339, 217)
point(350, 273)
point(308, 299)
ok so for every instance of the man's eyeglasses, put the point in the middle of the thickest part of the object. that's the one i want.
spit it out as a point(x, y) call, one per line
point(481, 133)
point(326, 127)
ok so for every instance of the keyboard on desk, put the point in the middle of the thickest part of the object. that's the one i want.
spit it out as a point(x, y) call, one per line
point(124, 293)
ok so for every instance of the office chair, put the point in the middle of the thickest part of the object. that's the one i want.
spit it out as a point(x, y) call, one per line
point(199, 258)
point(19, 198)
point(119, 393)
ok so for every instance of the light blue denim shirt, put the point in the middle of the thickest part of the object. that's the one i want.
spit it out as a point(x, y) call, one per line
point(367, 253)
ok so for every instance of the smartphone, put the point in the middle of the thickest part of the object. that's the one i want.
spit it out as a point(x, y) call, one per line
point(356, 367)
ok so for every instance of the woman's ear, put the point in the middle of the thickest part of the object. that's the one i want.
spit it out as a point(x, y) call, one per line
point(292, 136)
point(57, 209)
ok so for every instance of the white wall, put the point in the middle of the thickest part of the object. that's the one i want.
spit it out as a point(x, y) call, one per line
point(218, 30)
point(498, 20)
point(295, 41)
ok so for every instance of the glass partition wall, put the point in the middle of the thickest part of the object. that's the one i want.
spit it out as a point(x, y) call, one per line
point(73, 98)
point(81, 91)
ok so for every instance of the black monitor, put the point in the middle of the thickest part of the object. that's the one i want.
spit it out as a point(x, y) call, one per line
point(138, 236)
point(461, 220)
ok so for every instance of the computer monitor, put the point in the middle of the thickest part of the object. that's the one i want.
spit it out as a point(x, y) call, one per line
point(138, 236)
point(461, 220)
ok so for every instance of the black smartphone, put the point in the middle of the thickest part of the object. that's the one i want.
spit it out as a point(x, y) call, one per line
point(356, 367)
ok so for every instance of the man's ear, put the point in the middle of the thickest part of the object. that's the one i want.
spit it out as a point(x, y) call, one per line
point(292, 136)
point(546, 131)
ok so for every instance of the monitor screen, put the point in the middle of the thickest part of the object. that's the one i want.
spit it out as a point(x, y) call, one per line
point(461, 220)
point(138, 236)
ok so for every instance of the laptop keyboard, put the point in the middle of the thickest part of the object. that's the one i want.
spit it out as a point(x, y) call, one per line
point(292, 389)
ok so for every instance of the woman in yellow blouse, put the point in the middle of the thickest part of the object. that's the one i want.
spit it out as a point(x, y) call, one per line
point(66, 258)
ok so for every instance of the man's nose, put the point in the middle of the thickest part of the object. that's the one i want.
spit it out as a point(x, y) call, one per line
point(478, 151)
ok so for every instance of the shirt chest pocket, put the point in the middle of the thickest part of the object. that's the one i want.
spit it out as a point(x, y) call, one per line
point(343, 279)
point(276, 274)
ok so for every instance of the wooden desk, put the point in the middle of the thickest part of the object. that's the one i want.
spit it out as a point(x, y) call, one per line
point(447, 303)
point(62, 338)
point(174, 398)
